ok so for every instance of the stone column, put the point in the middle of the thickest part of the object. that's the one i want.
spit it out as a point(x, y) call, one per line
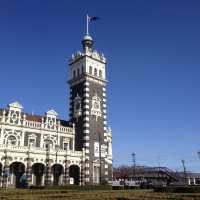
point(5, 171)
point(1, 136)
point(66, 174)
point(194, 181)
point(82, 169)
point(189, 182)
point(66, 170)
point(29, 170)
point(48, 173)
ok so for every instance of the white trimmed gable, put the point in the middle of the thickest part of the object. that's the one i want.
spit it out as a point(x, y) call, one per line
point(15, 106)
point(52, 113)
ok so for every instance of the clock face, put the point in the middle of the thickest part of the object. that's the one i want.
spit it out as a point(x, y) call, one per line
point(96, 105)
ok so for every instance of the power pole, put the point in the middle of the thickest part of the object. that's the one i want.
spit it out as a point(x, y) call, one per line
point(184, 168)
point(134, 163)
point(100, 180)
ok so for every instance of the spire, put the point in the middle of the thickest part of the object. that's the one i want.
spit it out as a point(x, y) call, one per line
point(87, 43)
point(87, 40)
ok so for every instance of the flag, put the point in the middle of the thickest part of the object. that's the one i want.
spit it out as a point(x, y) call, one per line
point(92, 18)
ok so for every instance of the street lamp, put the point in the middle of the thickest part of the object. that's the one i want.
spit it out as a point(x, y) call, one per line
point(56, 168)
point(134, 162)
point(198, 153)
point(28, 167)
point(100, 180)
point(56, 148)
point(66, 167)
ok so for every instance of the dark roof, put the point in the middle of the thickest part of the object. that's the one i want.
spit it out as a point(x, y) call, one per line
point(65, 123)
point(35, 118)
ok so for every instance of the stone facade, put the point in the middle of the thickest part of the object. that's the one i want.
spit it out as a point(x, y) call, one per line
point(30, 140)
point(88, 111)
point(45, 150)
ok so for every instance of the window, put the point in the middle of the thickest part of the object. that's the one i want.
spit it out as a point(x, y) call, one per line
point(95, 72)
point(32, 142)
point(82, 70)
point(78, 72)
point(74, 75)
point(12, 140)
point(90, 70)
point(65, 146)
point(48, 144)
point(96, 174)
point(100, 73)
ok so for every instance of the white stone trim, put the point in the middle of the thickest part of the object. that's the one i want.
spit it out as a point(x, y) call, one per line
point(87, 144)
point(104, 94)
point(104, 100)
point(86, 95)
point(105, 122)
point(87, 164)
point(86, 112)
point(104, 89)
point(104, 105)
point(105, 117)
point(86, 125)
point(106, 166)
point(87, 179)
point(87, 106)
point(86, 89)
point(86, 131)
point(87, 151)
point(104, 110)
point(87, 137)
point(86, 101)
point(87, 119)
point(87, 83)
point(87, 172)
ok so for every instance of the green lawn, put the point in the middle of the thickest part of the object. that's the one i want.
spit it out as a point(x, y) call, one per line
point(37, 194)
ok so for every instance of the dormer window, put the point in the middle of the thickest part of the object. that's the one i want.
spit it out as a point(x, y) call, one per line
point(50, 122)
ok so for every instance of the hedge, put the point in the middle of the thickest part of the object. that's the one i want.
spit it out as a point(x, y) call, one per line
point(178, 189)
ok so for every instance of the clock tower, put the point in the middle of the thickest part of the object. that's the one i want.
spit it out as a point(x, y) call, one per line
point(88, 111)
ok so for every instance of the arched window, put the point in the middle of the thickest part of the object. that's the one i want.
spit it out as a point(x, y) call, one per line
point(48, 144)
point(65, 146)
point(32, 140)
point(90, 70)
point(11, 140)
point(74, 75)
point(78, 72)
point(82, 70)
point(100, 73)
point(95, 72)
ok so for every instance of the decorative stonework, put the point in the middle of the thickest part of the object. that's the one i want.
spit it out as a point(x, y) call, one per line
point(96, 106)
point(77, 106)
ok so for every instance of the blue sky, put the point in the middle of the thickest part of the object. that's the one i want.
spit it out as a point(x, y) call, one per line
point(153, 69)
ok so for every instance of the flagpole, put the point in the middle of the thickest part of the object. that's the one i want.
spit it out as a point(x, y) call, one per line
point(87, 31)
